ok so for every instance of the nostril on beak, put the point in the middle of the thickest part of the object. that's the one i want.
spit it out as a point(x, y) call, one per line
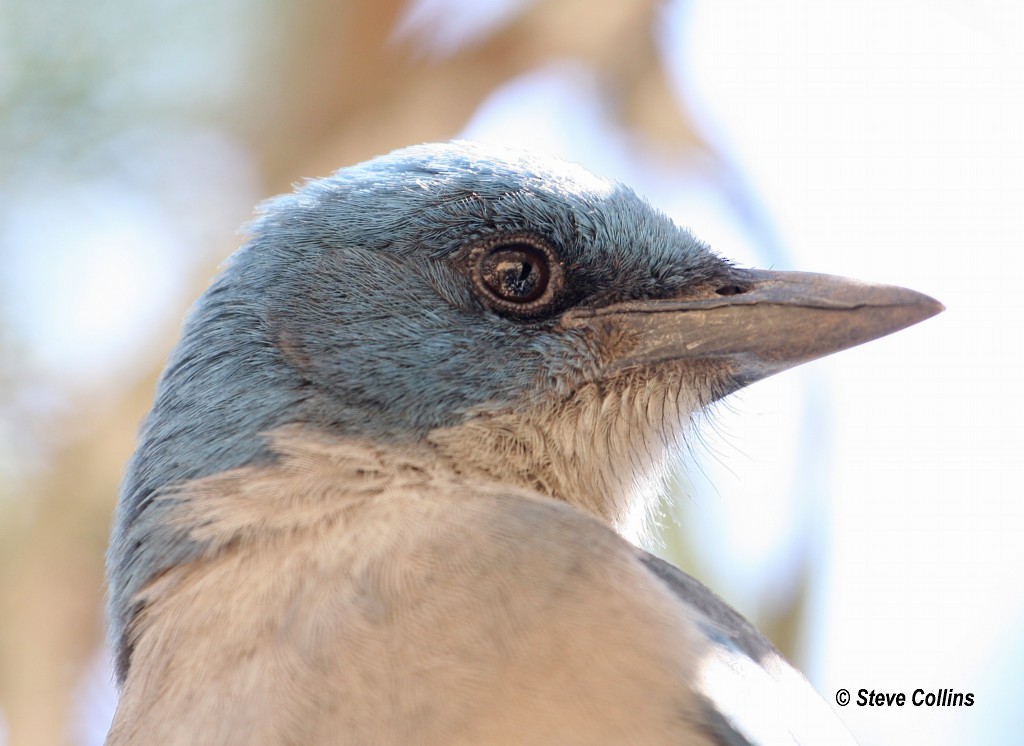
point(730, 290)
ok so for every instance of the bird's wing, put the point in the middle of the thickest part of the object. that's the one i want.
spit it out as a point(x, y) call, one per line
point(751, 693)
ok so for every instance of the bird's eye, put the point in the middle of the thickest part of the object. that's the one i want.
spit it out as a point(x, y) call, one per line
point(517, 274)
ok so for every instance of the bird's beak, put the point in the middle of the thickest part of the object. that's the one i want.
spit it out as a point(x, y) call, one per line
point(758, 323)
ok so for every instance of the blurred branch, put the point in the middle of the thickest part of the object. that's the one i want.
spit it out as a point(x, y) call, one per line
point(53, 574)
point(355, 91)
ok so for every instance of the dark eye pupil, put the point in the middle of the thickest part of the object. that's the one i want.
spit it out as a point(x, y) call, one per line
point(517, 273)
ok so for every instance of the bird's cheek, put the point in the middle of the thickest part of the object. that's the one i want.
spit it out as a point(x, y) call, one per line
point(569, 359)
point(600, 348)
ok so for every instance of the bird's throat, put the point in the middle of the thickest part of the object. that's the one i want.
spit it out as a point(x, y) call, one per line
point(606, 449)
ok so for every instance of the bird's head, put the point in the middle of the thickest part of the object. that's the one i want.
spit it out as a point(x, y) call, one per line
point(519, 318)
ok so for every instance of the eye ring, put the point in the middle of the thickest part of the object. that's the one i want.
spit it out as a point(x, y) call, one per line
point(517, 274)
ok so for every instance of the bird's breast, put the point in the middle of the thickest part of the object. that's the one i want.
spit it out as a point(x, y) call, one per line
point(343, 591)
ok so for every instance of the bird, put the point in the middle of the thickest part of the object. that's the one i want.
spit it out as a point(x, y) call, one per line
point(381, 493)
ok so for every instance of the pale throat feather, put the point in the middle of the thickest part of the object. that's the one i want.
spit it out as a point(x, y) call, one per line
point(607, 448)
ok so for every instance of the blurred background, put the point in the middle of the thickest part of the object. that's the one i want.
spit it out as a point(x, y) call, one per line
point(864, 510)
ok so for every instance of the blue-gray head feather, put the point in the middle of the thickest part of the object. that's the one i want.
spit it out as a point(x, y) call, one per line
point(351, 309)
